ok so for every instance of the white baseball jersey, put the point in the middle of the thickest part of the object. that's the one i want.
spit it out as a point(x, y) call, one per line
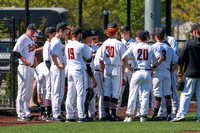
point(46, 51)
point(97, 59)
point(75, 51)
point(168, 55)
point(172, 41)
point(142, 55)
point(128, 43)
point(111, 48)
point(26, 47)
point(58, 50)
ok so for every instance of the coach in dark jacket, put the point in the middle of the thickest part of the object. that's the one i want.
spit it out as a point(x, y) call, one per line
point(190, 59)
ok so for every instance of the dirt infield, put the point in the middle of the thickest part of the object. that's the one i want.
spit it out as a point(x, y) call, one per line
point(11, 118)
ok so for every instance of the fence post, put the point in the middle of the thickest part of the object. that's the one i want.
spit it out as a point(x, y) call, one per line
point(12, 103)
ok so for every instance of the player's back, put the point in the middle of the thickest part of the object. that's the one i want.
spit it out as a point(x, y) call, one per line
point(142, 55)
point(112, 51)
point(75, 53)
point(168, 55)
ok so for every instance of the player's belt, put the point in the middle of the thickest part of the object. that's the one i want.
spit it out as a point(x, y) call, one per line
point(142, 69)
point(97, 70)
point(26, 65)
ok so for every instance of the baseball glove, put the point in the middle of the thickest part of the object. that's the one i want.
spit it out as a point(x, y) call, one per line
point(180, 84)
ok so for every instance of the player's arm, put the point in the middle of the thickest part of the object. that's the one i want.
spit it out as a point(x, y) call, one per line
point(159, 61)
point(39, 97)
point(60, 66)
point(174, 68)
point(125, 62)
point(18, 55)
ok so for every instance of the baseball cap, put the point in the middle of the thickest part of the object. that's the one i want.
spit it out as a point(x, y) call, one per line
point(140, 33)
point(61, 26)
point(159, 31)
point(94, 33)
point(112, 25)
point(87, 33)
point(125, 27)
point(146, 32)
point(194, 27)
point(38, 34)
point(50, 30)
point(32, 27)
point(77, 30)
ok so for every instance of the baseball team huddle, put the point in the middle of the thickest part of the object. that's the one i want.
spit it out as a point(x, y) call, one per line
point(86, 71)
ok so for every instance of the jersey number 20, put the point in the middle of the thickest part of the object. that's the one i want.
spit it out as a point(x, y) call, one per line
point(143, 52)
point(110, 50)
point(71, 53)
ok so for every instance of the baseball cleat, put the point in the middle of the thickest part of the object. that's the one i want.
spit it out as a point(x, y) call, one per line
point(143, 118)
point(153, 118)
point(23, 119)
point(43, 117)
point(59, 119)
point(70, 120)
point(198, 119)
point(49, 119)
point(194, 119)
point(169, 118)
point(32, 118)
point(128, 119)
point(177, 119)
point(137, 117)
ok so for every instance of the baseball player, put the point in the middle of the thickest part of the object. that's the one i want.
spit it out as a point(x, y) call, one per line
point(57, 71)
point(40, 75)
point(128, 42)
point(175, 100)
point(24, 49)
point(76, 52)
point(161, 75)
point(189, 56)
point(100, 86)
point(87, 40)
point(111, 53)
point(142, 54)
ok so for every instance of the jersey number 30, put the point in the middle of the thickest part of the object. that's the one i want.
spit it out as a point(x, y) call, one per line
point(71, 53)
point(143, 52)
point(110, 50)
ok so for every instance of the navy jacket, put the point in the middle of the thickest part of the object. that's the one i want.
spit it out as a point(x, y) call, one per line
point(190, 57)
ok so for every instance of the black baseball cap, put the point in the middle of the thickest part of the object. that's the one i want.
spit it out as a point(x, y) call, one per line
point(77, 30)
point(62, 26)
point(112, 25)
point(50, 30)
point(32, 27)
point(38, 34)
point(194, 27)
point(140, 33)
point(147, 33)
point(87, 33)
point(159, 31)
point(125, 27)
point(94, 33)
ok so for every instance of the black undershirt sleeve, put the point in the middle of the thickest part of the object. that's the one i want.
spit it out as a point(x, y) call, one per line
point(18, 55)
point(89, 70)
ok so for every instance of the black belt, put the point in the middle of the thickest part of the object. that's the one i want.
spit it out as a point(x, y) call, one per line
point(142, 69)
point(97, 70)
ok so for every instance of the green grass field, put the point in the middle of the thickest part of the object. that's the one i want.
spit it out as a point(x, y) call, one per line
point(107, 127)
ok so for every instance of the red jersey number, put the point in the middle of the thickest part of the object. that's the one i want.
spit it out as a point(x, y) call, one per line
point(71, 53)
point(110, 50)
point(164, 54)
point(143, 52)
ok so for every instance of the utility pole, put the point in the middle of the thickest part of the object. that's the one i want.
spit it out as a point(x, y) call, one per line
point(168, 17)
point(128, 13)
point(80, 13)
point(26, 13)
point(152, 14)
